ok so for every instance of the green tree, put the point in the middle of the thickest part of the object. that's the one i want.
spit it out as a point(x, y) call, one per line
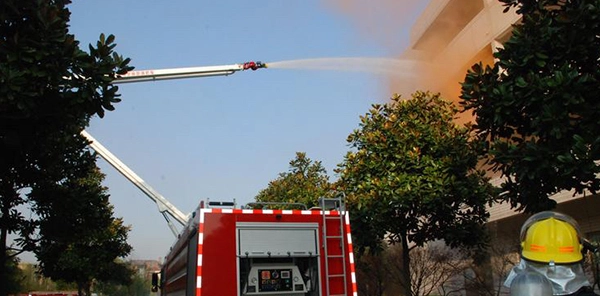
point(12, 283)
point(94, 241)
point(412, 178)
point(138, 286)
point(49, 90)
point(305, 182)
point(33, 281)
point(538, 105)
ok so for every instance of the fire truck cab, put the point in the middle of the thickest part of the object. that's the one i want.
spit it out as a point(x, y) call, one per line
point(246, 252)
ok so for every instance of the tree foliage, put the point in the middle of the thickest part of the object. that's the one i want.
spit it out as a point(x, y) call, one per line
point(412, 177)
point(138, 286)
point(538, 105)
point(49, 90)
point(12, 282)
point(32, 280)
point(95, 239)
point(305, 182)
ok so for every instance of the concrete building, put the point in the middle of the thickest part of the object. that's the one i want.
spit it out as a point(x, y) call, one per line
point(453, 35)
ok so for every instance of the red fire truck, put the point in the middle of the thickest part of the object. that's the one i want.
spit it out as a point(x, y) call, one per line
point(246, 252)
point(227, 251)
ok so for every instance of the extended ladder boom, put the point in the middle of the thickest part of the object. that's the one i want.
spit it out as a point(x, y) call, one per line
point(190, 72)
point(164, 206)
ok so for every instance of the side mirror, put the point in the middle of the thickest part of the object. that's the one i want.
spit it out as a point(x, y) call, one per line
point(155, 281)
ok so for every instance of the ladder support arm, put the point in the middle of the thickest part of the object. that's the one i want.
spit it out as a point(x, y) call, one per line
point(163, 204)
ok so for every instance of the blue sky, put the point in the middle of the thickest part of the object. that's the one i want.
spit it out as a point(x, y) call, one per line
point(225, 138)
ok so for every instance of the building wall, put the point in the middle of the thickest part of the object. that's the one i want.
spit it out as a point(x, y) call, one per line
point(449, 37)
point(452, 35)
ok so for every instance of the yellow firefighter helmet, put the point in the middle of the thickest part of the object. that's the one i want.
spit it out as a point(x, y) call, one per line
point(551, 237)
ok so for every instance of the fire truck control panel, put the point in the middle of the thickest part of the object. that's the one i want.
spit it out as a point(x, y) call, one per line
point(272, 279)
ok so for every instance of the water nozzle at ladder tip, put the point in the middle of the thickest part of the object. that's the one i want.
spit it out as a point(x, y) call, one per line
point(253, 65)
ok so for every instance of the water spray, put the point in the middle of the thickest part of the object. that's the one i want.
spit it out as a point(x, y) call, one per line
point(383, 66)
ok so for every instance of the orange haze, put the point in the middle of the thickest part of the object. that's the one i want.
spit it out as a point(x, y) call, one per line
point(387, 21)
point(380, 20)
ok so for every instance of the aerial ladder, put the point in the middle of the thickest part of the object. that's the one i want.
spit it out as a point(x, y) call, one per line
point(167, 209)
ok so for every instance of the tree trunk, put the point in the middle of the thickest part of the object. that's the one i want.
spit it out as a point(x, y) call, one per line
point(405, 277)
point(482, 281)
point(80, 289)
point(88, 288)
point(84, 288)
point(5, 195)
point(3, 258)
